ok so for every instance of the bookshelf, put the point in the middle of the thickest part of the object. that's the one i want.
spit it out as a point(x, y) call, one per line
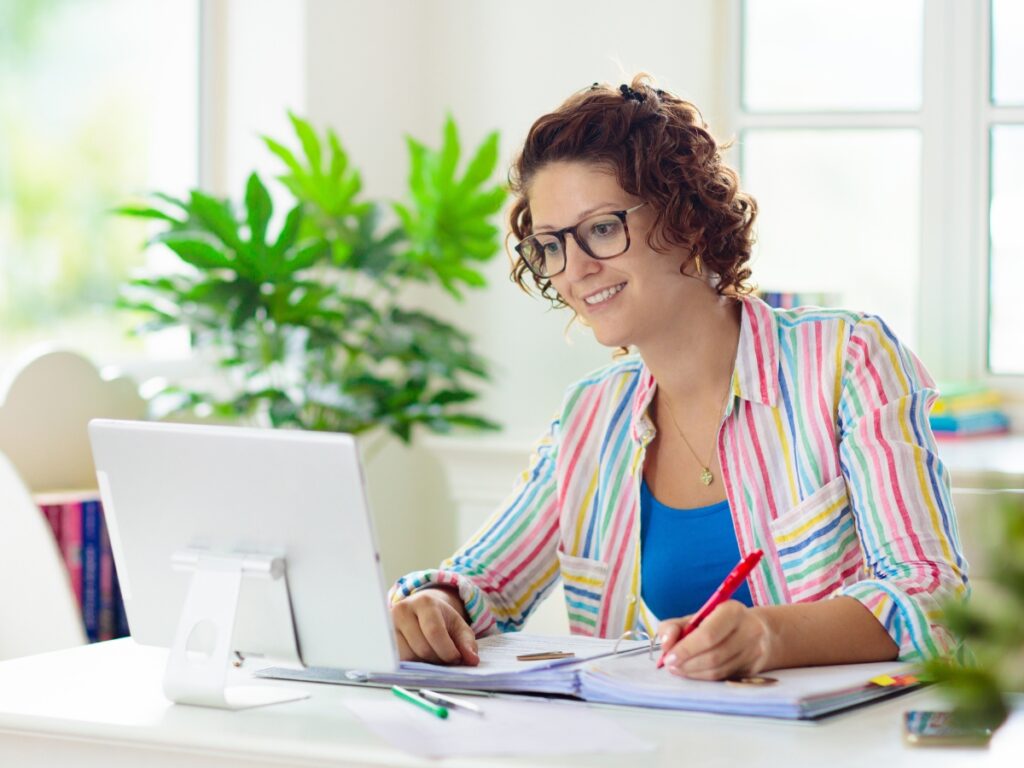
point(62, 571)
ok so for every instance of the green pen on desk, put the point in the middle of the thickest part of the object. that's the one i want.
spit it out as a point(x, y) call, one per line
point(412, 698)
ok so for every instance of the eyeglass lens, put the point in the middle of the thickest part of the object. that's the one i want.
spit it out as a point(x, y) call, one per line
point(602, 237)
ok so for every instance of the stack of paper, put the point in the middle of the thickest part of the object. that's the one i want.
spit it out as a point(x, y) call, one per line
point(614, 672)
point(499, 668)
point(803, 693)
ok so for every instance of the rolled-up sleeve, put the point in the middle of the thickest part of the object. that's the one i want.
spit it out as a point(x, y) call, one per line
point(510, 564)
point(900, 492)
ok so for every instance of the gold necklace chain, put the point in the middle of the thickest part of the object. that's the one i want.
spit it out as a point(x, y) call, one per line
point(706, 476)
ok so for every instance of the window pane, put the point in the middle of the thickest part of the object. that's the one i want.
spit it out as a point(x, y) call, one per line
point(838, 213)
point(98, 102)
point(1006, 310)
point(1007, 52)
point(811, 55)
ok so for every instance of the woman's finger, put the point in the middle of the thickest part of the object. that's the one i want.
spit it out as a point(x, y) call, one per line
point(419, 644)
point(715, 664)
point(405, 653)
point(435, 630)
point(668, 634)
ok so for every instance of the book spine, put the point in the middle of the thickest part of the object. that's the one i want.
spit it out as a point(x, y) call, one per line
point(71, 545)
point(120, 615)
point(91, 568)
point(107, 615)
point(52, 514)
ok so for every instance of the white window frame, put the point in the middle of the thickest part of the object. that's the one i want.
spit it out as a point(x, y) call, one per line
point(954, 122)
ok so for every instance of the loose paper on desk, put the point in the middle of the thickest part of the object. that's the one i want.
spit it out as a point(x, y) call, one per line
point(506, 728)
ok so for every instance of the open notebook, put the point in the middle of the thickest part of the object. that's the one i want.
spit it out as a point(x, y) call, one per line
point(600, 672)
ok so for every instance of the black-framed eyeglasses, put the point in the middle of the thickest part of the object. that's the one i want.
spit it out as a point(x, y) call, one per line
point(601, 236)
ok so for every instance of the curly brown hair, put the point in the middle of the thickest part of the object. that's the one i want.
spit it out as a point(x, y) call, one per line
point(660, 150)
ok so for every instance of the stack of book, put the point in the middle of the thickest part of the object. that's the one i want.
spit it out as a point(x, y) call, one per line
point(968, 410)
point(76, 519)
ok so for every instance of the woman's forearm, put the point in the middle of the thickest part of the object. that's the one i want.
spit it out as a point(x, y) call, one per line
point(836, 631)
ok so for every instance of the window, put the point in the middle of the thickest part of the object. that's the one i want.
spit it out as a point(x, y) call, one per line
point(98, 101)
point(830, 146)
point(1005, 123)
point(886, 150)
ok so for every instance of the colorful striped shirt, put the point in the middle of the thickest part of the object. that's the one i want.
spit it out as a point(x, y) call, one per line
point(828, 464)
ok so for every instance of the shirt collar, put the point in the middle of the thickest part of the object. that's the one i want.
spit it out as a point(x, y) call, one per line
point(755, 376)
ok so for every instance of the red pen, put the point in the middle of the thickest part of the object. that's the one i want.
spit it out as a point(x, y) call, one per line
point(719, 596)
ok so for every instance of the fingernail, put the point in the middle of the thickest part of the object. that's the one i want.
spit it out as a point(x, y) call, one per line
point(663, 638)
point(672, 659)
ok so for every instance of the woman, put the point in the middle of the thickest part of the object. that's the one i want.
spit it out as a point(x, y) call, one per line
point(736, 427)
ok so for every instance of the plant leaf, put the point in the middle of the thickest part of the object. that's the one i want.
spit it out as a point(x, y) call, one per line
point(449, 155)
point(145, 212)
point(310, 142)
point(482, 165)
point(259, 208)
point(199, 253)
point(217, 217)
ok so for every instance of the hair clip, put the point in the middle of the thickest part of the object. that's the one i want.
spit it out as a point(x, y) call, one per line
point(595, 86)
point(628, 93)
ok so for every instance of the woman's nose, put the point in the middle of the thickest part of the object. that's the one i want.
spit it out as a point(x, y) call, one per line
point(577, 263)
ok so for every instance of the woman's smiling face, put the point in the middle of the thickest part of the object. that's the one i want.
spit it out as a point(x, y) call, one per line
point(624, 299)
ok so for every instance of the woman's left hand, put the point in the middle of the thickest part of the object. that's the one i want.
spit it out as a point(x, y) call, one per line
point(732, 640)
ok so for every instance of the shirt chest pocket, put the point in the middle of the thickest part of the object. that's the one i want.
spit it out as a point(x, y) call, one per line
point(817, 543)
point(584, 580)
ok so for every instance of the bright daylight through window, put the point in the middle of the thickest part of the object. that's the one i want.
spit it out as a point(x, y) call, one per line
point(1006, 313)
point(834, 136)
point(98, 101)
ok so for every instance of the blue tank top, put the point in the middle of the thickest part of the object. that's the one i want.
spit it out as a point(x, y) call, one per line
point(685, 554)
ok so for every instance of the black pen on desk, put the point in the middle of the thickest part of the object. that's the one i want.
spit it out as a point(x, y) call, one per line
point(448, 701)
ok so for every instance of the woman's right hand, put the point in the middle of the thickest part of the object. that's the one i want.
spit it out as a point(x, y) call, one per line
point(432, 625)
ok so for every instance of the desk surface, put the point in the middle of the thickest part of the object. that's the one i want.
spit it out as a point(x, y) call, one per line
point(101, 705)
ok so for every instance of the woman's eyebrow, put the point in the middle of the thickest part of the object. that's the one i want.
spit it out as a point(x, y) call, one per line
point(580, 218)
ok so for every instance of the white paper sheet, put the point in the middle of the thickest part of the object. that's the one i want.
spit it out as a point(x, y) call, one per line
point(506, 728)
point(498, 653)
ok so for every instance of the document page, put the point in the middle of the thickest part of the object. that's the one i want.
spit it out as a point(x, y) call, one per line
point(499, 653)
point(803, 692)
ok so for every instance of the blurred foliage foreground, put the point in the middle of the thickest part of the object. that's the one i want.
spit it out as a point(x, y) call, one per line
point(310, 319)
point(991, 626)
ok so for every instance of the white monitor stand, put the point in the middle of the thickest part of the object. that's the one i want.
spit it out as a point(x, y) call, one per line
point(242, 541)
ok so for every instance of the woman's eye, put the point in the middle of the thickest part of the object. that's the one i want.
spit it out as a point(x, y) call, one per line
point(552, 248)
point(603, 229)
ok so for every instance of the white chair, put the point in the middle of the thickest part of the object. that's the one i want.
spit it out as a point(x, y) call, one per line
point(38, 612)
point(46, 403)
point(45, 407)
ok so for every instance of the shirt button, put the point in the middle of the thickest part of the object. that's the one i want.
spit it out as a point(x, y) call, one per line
point(631, 599)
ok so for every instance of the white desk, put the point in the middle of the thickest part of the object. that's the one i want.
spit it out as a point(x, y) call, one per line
point(101, 706)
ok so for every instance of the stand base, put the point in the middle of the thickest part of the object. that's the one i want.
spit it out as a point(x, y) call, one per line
point(247, 696)
point(198, 666)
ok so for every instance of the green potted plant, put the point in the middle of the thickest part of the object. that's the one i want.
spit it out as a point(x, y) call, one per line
point(310, 318)
point(991, 626)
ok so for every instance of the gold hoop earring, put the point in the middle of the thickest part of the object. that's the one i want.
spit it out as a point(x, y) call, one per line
point(697, 265)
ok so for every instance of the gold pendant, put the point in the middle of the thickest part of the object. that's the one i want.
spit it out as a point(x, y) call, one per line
point(706, 477)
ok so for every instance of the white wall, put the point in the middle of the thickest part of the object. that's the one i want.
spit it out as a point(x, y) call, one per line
point(377, 71)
